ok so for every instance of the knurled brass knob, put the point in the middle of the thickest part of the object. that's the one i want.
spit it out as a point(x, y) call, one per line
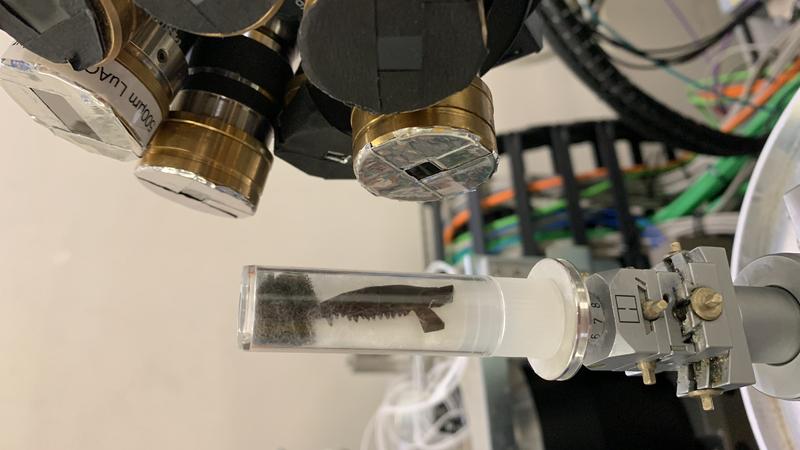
point(706, 303)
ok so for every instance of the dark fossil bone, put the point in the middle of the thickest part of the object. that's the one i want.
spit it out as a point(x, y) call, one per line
point(390, 301)
point(287, 305)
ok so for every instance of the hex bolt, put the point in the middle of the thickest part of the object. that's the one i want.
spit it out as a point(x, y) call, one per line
point(648, 369)
point(706, 303)
point(652, 309)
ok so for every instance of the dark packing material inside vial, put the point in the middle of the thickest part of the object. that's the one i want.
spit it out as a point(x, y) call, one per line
point(284, 307)
point(287, 306)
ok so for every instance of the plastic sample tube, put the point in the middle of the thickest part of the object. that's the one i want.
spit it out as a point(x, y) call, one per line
point(367, 312)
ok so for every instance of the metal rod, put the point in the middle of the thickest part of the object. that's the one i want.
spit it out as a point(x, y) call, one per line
point(476, 222)
point(771, 319)
point(513, 145)
point(605, 141)
point(559, 148)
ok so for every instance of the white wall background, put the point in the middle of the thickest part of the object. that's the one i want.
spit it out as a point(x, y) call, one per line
point(118, 308)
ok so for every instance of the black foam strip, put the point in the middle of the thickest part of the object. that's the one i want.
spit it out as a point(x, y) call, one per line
point(208, 16)
point(338, 50)
point(74, 37)
point(392, 55)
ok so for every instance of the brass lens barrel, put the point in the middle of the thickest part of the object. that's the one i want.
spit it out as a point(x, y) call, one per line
point(121, 19)
point(427, 154)
point(157, 57)
point(469, 109)
point(212, 152)
point(209, 153)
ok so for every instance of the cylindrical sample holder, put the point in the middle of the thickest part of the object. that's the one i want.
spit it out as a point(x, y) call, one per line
point(366, 312)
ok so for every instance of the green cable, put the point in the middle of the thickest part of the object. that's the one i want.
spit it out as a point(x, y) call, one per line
point(726, 78)
point(552, 208)
point(588, 192)
point(703, 104)
point(464, 239)
point(696, 99)
point(706, 187)
point(713, 182)
point(762, 119)
point(740, 192)
point(561, 204)
point(710, 118)
point(743, 188)
point(699, 101)
point(498, 244)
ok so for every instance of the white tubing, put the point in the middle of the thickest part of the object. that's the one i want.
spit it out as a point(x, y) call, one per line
point(534, 318)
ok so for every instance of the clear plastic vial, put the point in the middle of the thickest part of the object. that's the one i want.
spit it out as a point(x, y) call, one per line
point(364, 312)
